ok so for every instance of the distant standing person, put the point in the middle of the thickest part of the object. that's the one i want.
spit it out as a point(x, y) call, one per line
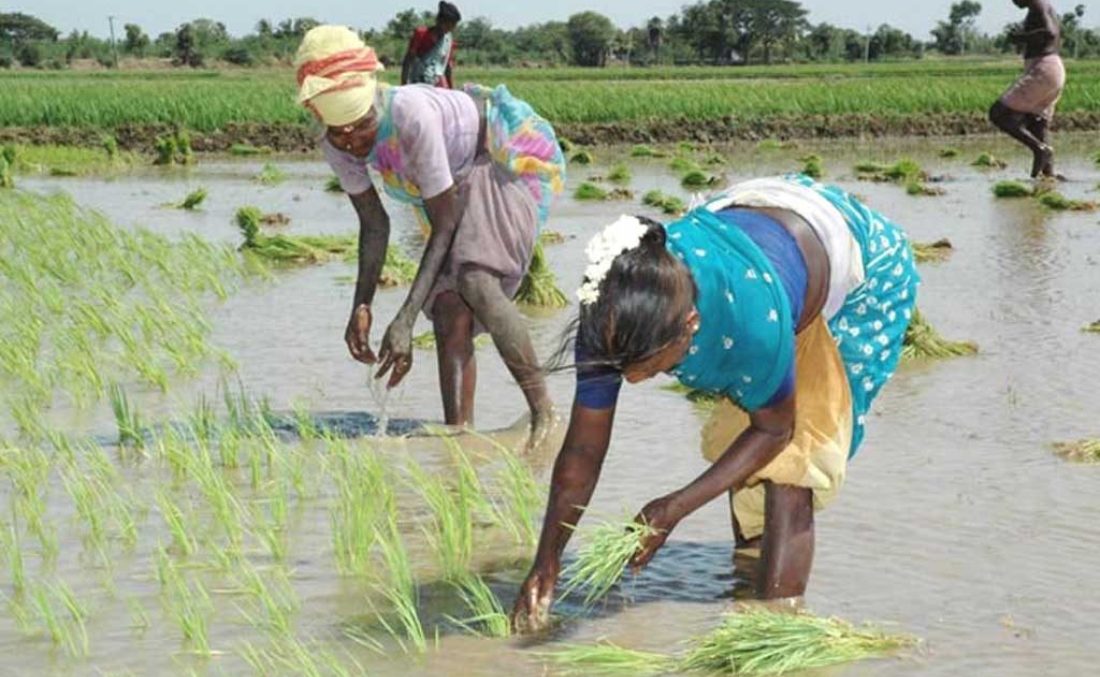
point(430, 57)
point(1026, 109)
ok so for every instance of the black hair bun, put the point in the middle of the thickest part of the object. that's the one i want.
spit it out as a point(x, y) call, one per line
point(655, 235)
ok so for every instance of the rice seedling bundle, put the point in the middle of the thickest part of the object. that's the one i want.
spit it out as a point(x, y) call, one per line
point(332, 185)
point(1092, 327)
point(270, 175)
point(582, 157)
point(426, 341)
point(539, 288)
point(550, 237)
point(641, 151)
point(602, 559)
point(363, 504)
point(668, 204)
point(1055, 201)
point(989, 161)
point(607, 658)
point(696, 179)
point(398, 589)
point(683, 165)
point(932, 252)
point(291, 249)
point(193, 200)
point(62, 616)
point(1082, 451)
point(620, 173)
point(248, 150)
point(589, 192)
point(948, 153)
point(922, 341)
point(813, 166)
point(174, 149)
point(765, 642)
point(1012, 189)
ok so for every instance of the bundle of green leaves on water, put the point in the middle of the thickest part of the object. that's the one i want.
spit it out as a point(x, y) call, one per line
point(602, 559)
point(932, 252)
point(1081, 451)
point(642, 150)
point(813, 166)
point(426, 341)
point(270, 175)
point(539, 287)
point(589, 191)
point(905, 172)
point(248, 150)
point(582, 157)
point(757, 641)
point(697, 179)
point(193, 200)
point(620, 173)
point(290, 249)
point(989, 161)
point(607, 658)
point(174, 149)
point(332, 185)
point(666, 203)
point(922, 341)
point(1092, 327)
point(1012, 189)
point(1052, 199)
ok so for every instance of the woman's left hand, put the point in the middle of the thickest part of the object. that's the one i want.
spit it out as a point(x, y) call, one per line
point(396, 352)
point(662, 516)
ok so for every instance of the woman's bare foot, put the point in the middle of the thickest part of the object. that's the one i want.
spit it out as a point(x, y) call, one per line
point(1042, 162)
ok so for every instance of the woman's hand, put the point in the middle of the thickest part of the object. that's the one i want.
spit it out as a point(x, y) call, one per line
point(531, 613)
point(396, 352)
point(661, 516)
point(357, 335)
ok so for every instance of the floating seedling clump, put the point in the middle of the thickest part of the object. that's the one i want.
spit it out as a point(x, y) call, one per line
point(641, 151)
point(813, 166)
point(1081, 451)
point(174, 149)
point(193, 200)
point(922, 341)
point(765, 642)
point(248, 150)
point(290, 249)
point(666, 203)
point(1092, 327)
point(949, 153)
point(540, 287)
point(697, 179)
point(602, 559)
point(1055, 201)
point(620, 173)
point(1012, 189)
point(332, 185)
point(270, 175)
point(905, 172)
point(590, 192)
point(582, 157)
point(932, 252)
point(989, 161)
point(550, 237)
point(683, 165)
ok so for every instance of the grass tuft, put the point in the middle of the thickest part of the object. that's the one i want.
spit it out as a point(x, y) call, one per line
point(932, 252)
point(1081, 451)
point(588, 191)
point(666, 203)
point(620, 174)
point(270, 175)
point(813, 166)
point(193, 200)
point(641, 151)
point(248, 150)
point(1012, 189)
point(606, 658)
point(989, 161)
point(696, 179)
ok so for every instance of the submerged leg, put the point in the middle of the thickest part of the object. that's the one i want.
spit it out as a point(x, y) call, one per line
point(1039, 126)
point(787, 549)
point(482, 291)
point(1015, 125)
point(453, 322)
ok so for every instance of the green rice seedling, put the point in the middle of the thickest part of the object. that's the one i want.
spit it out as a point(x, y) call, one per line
point(1092, 327)
point(1096, 158)
point(603, 557)
point(522, 499)
point(189, 605)
point(63, 617)
point(642, 150)
point(63, 172)
point(6, 179)
point(550, 237)
point(131, 432)
point(922, 341)
point(989, 161)
point(813, 166)
point(399, 590)
point(248, 150)
point(270, 175)
point(273, 594)
point(904, 169)
point(620, 173)
point(771, 144)
point(289, 249)
point(949, 153)
point(139, 618)
point(332, 185)
point(696, 179)
point(582, 157)
point(165, 147)
point(666, 203)
point(686, 147)
point(539, 288)
point(175, 518)
point(1055, 201)
point(426, 341)
point(589, 191)
point(867, 167)
point(1081, 451)
point(16, 566)
point(766, 642)
point(932, 252)
point(110, 146)
point(290, 655)
point(193, 200)
point(363, 504)
point(683, 165)
point(487, 617)
point(453, 510)
point(714, 160)
point(1012, 189)
point(607, 658)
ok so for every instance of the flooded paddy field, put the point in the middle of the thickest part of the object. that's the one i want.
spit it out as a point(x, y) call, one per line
point(957, 524)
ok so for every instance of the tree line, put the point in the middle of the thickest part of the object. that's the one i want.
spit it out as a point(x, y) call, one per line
point(718, 32)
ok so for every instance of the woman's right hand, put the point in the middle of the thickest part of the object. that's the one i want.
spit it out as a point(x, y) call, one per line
point(357, 335)
point(531, 613)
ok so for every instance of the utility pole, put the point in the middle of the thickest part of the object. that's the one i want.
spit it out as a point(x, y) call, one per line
point(114, 45)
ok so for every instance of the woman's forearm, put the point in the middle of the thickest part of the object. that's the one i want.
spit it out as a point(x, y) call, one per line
point(576, 473)
point(374, 239)
point(442, 214)
point(750, 453)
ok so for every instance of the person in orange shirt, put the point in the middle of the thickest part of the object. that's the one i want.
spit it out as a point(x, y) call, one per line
point(430, 57)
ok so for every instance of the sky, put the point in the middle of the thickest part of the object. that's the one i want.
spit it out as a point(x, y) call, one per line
point(240, 17)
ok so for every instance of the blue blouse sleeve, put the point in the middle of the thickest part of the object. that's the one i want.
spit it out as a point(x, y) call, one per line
point(785, 388)
point(597, 386)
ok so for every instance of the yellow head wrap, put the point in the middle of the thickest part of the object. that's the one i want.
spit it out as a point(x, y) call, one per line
point(336, 75)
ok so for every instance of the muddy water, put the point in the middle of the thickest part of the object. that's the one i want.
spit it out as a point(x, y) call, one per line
point(957, 523)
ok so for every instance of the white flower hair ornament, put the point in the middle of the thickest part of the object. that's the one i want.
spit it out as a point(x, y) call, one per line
point(623, 235)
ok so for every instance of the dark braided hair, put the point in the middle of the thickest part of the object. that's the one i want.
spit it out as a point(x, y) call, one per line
point(642, 303)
